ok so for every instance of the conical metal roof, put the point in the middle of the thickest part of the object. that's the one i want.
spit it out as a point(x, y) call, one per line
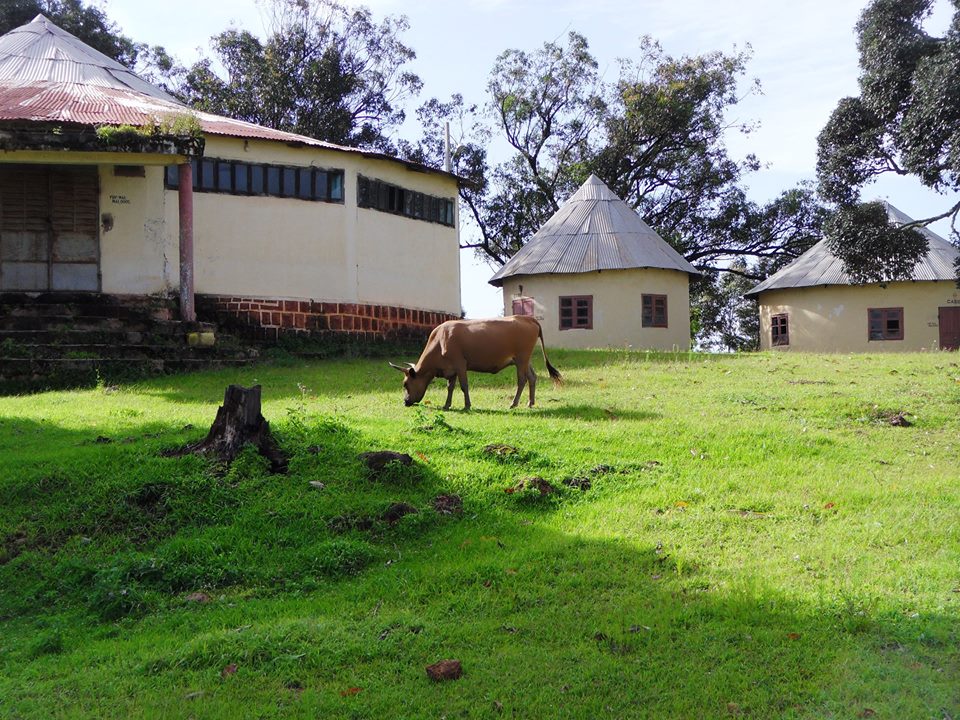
point(594, 230)
point(819, 266)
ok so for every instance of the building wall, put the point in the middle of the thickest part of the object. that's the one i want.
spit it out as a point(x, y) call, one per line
point(834, 318)
point(616, 307)
point(285, 248)
point(138, 255)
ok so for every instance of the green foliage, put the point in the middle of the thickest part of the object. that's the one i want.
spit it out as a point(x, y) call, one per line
point(905, 122)
point(871, 249)
point(324, 70)
point(722, 317)
point(182, 127)
point(655, 135)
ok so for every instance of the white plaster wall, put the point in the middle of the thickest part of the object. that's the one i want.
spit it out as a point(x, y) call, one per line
point(290, 248)
point(137, 254)
point(834, 318)
point(616, 307)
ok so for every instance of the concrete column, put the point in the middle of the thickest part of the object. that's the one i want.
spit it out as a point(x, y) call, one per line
point(185, 196)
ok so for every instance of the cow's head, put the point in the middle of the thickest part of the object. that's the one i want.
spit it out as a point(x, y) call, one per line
point(414, 383)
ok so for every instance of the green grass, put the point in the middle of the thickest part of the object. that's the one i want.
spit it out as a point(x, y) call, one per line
point(757, 541)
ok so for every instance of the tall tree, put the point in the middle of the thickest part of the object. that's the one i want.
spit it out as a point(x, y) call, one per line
point(656, 136)
point(324, 70)
point(87, 22)
point(906, 121)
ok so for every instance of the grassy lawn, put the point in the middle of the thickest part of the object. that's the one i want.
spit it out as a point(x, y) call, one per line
point(757, 540)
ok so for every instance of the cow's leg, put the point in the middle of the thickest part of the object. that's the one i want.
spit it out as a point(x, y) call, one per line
point(521, 381)
point(532, 379)
point(450, 383)
point(462, 374)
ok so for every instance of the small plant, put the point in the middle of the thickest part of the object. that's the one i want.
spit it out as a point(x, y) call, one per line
point(425, 423)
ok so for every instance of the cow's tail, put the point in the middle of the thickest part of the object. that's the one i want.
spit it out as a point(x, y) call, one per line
point(554, 373)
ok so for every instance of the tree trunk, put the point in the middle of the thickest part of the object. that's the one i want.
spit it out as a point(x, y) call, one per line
point(239, 422)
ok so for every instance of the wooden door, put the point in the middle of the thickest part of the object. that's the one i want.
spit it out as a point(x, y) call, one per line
point(950, 328)
point(49, 225)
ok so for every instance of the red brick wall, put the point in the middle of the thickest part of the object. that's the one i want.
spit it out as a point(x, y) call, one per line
point(268, 319)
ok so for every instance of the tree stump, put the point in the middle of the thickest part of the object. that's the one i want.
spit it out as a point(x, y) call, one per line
point(239, 422)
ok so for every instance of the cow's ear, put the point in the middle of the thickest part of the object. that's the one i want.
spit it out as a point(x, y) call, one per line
point(411, 373)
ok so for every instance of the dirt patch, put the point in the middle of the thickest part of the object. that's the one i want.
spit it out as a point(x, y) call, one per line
point(377, 461)
point(578, 483)
point(13, 545)
point(448, 504)
point(345, 523)
point(396, 511)
point(500, 450)
point(532, 483)
point(445, 670)
point(899, 420)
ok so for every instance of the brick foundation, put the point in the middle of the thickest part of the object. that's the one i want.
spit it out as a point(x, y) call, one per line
point(265, 320)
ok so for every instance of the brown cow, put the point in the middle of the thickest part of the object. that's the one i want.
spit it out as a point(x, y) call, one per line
point(487, 346)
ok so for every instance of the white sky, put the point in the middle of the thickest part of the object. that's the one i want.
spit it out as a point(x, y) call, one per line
point(804, 55)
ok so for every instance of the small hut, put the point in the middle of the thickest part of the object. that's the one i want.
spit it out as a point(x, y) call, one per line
point(596, 275)
point(812, 304)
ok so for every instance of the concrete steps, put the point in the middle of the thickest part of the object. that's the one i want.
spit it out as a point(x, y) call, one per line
point(57, 340)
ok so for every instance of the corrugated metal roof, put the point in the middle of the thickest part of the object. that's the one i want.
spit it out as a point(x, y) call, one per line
point(819, 266)
point(594, 230)
point(49, 75)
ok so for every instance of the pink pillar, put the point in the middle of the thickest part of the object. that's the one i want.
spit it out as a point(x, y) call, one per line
point(187, 312)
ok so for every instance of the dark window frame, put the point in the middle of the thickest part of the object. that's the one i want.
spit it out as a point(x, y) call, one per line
point(780, 330)
point(885, 315)
point(290, 178)
point(574, 302)
point(651, 319)
point(373, 194)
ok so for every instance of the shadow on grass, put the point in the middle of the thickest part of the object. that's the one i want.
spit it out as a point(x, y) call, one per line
point(114, 527)
point(540, 620)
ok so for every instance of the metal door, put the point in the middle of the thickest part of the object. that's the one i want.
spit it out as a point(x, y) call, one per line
point(49, 237)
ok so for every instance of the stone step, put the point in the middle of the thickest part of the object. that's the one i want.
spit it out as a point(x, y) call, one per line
point(94, 350)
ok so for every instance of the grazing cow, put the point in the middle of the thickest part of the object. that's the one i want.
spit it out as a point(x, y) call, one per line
point(487, 346)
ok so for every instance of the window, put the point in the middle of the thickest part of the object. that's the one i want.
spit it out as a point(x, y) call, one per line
point(224, 176)
point(779, 330)
point(885, 323)
point(523, 306)
point(576, 312)
point(130, 171)
point(378, 195)
point(289, 182)
point(654, 311)
point(240, 178)
point(208, 178)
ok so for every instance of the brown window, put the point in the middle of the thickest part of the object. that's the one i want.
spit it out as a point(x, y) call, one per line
point(779, 330)
point(576, 311)
point(885, 323)
point(654, 311)
point(523, 306)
